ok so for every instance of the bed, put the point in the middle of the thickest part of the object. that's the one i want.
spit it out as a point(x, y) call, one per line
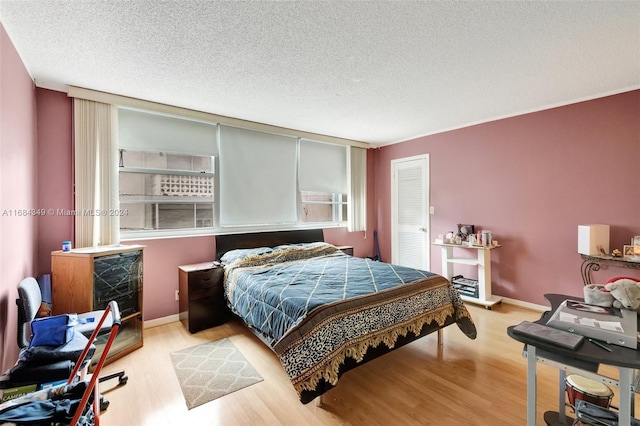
point(324, 312)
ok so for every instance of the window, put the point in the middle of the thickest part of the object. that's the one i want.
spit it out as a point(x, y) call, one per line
point(322, 180)
point(182, 176)
point(186, 172)
point(165, 191)
point(320, 207)
point(166, 174)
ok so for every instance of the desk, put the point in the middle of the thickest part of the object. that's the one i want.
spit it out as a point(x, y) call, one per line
point(584, 361)
point(593, 263)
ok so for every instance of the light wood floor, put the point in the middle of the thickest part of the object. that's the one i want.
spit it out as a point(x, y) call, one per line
point(466, 382)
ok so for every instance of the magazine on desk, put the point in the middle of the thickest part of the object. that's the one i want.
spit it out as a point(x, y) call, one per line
point(612, 325)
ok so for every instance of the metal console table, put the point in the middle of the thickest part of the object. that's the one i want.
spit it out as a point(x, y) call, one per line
point(593, 263)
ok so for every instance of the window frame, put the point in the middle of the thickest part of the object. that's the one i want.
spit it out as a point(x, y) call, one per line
point(339, 201)
point(134, 234)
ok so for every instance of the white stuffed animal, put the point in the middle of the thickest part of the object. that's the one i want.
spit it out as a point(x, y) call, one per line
point(597, 294)
point(626, 293)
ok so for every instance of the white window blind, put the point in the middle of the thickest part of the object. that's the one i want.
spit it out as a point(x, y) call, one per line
point(142, 131)
point(257, 178)
point(323, 167)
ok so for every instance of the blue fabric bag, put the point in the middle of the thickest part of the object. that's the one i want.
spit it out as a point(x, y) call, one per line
point(53, 331)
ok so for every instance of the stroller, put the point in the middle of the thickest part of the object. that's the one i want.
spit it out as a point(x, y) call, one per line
point(75, 402)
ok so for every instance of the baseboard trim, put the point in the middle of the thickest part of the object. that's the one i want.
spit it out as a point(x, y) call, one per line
point(161, 321)
point(520, 303)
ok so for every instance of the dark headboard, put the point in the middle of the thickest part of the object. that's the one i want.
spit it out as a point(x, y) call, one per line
point(224, 243)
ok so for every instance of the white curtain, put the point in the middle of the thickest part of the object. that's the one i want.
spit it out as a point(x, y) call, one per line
point(96, 174)
point(357, 201)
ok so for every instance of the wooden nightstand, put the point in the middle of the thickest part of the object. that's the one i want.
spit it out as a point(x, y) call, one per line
point(346, 249)
point(201, 296)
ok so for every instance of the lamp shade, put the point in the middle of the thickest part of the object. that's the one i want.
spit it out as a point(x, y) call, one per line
point(591, 238)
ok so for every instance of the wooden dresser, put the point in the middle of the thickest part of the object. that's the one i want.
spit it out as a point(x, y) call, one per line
point(87, 279)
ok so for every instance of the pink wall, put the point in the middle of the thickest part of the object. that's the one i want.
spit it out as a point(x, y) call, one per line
point(161, 260)
point(532, 179)
point(18, 189)
point(543, 175)
point(55, 173)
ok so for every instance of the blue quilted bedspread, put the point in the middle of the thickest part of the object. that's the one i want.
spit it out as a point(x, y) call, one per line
point(316, 306)
point(273, 291)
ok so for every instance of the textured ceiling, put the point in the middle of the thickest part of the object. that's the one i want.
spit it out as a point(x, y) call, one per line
point(379, 72)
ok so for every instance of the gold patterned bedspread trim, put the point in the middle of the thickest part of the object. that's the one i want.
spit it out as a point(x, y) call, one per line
point(317, 348)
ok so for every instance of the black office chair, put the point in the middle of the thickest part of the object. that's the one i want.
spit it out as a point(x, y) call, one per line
point(50, 365)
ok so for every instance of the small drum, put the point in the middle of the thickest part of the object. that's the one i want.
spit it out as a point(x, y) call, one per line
point(579, 387)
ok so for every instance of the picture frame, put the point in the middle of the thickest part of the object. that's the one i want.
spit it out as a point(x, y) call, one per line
point(465, 230)
point(627, 251)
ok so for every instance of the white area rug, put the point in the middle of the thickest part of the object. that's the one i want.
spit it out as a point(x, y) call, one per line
point(211, 370)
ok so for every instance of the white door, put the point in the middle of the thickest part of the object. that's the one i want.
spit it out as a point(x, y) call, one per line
point(410, 234)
